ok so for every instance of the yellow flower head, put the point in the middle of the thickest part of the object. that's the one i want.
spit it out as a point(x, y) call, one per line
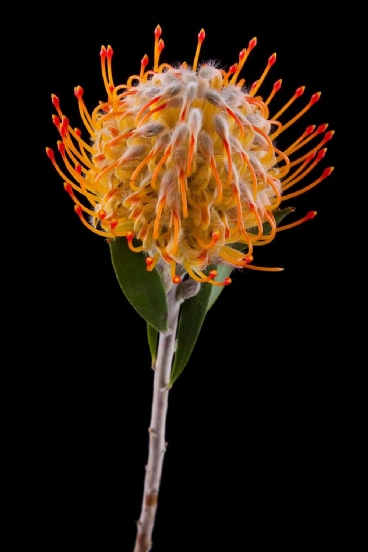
point(182, 158)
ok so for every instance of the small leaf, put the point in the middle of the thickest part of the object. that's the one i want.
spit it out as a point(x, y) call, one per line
point(143, 289)
point(152, 336)
point(279, 215)
point(224, 271)
point(192, 315)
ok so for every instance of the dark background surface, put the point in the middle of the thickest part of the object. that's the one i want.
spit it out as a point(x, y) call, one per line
point(260, 425)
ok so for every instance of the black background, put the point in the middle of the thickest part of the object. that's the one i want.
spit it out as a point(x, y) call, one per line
point(260, 426)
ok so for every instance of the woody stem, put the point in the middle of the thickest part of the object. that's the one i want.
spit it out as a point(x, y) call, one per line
point(157, 444)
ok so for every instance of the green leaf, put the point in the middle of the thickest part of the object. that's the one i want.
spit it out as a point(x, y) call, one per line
point(143, 289)
point(192, 315)
point(279, 215)
point(152, 336)
point(224, 271)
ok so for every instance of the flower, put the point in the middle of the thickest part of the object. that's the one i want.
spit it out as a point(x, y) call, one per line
point(183, 158)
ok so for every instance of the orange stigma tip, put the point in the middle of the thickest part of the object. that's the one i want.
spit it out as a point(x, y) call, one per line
point(78, 132)
point(254, 85)
point(227, 281)
point(110, 51)
point(327, 172)
point(299, 91)
point(113, 224)
point(232, 69)
point(158, 31)
point(56, 120)
point(78, 169)
point(272, 59)
point(212, 274)
point(277, 85)
point(55, 100)
point(310, 129)
point(201, 35)
point(78, 210)
point(328, 135)
point(129, 235)
point(61, 147)
point(321, 154)
point(248, 259)
point(315, 98)
point(176, 279)
point(144, 60)
point(242, 54)
point(321, 128)
point(68, 188)
point(252, 43)
point(312, 156)
point(50, 154)
point(102, 214)
point(149, 261)
point(161, 45)
point(310, 215)
point(103, 52)
point(78, 91)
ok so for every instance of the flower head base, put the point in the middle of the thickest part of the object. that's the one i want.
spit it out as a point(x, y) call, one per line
point(182, 158)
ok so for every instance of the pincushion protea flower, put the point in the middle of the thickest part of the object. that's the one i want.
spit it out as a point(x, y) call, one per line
point(183, 159)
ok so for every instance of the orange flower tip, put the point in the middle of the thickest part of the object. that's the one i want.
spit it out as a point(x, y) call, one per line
point(55, 100)
point(109, 51)
point(161, 45)
point(149, 261)
point(277, 85)
point(253, 85)
point(144, 60)
point(113, 224)
point(309, 130)
point(50, 154)
point(321, 154)
point(176, 279)
point(78, 132)
point(242, 53)
point(321, 128)
point(215, 235)
point(111, 87)
point(201, 35)
point(78, 91)
point(271, 60)
point(327, 172)
point(129, 236)
point(78, 169)
point(213, 274)
point(158, 31)
point(310, 215)
point(227, 281)
point(312, 155)
point(248, 259)
point(78, 210)
point(68, 188)
point(328, 136)
point(299, 91)
point(232, 69)
point(56, 120)
point(61, 147)
point(252, 43)
point(103, 52)
point(315, 98)
point(101, 214)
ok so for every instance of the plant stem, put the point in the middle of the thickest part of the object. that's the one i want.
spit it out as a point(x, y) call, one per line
point(157, 444)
